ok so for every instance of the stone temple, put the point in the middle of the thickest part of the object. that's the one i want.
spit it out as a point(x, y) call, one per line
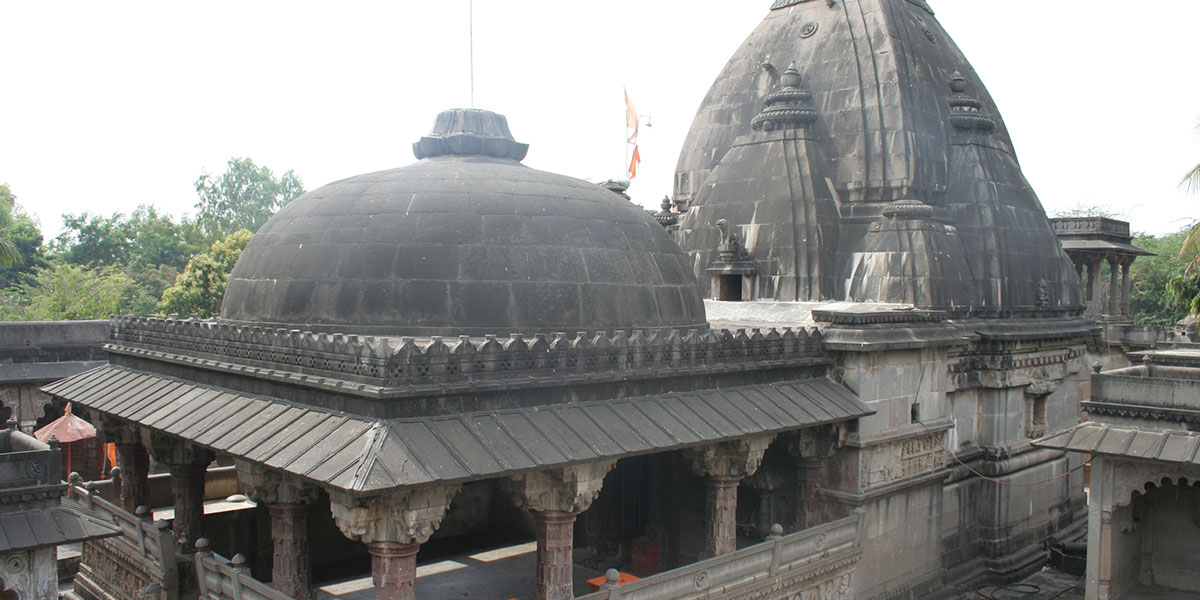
point(821, 379)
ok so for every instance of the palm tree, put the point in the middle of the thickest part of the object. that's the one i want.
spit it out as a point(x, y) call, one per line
point(9, 255)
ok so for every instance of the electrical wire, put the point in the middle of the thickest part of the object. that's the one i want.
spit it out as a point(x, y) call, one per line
point(938, 439)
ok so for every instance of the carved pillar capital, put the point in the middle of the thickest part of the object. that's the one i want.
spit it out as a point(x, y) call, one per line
point(737, 458)
point(568, 489)
point(401, 517)
point(268, 486)
point(173, 452)
point(117, 431)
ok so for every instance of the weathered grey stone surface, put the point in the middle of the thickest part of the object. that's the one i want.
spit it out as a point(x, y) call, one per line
point(877, 168)
point(465, 242)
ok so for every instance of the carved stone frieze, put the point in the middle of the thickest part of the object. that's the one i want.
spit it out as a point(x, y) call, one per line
point(834, 581)
point(567, 489)
point(736, 458)
point(104, 567)
point(403, 517)
point(902, 459)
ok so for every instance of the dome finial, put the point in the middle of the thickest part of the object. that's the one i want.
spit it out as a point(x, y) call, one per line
point(958, 83)
point(966, 113)
point(791, 77)
point(470, 132)
point(787, 108)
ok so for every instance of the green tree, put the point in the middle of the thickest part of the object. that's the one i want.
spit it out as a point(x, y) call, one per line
point(157, 240)
point(201, 286)
point(94, 240)
point(20, 240)
point(1150, 302)
point(243, 197)
point(66, 292)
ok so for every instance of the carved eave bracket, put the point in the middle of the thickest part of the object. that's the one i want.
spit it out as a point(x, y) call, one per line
point(403, 517)
point(270, 487)
point(174, 452)
point(736, 458)
point(567, 489)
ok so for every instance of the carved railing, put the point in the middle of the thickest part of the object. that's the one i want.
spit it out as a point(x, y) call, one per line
point(819, 561)
point(408, 361)
point(221, 579)
point(123, 567)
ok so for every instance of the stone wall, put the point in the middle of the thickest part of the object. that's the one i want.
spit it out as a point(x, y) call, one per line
point(33, 353)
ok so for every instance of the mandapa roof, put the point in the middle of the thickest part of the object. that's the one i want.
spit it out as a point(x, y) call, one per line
point(33, 529)
point(1127, 441)
point(358, 454)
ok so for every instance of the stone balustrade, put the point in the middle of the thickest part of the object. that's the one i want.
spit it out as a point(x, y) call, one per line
point(221, 579)
point(409, 361)
point(124, 566)
point(818, 562)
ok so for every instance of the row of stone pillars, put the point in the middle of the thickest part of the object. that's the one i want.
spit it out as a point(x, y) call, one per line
point(394, 525)
point(1116, 301)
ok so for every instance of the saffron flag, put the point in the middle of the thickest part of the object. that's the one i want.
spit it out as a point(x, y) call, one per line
point(631, 119)
point(633, 164)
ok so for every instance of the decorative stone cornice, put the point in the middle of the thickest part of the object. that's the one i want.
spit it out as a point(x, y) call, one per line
point(569, 489)
point(736, 458)
point(268, 486)
point(403, 517)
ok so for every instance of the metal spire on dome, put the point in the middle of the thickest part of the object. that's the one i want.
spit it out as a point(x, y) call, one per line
point(470, 132)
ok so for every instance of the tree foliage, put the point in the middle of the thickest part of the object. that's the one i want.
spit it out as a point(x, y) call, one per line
point(1086, 210)
point(242, 198)
point(1149, 301)
point(20, 240)
point(93, 240)
point(201, 286)
point(66, 292)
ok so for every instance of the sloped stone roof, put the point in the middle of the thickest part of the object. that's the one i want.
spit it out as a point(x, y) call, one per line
point(364, 455)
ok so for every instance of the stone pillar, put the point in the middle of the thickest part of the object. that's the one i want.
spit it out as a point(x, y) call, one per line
point(556, 497)
point(555, 554)
point(810, 476)
point(393, 527)
point(394, 569)
point(132, 458)
point(1113, 299)
point(723, 466)
point(1093, 277)
point(134, 462)
point(1125, 284)
point(187, 465)
point(287, 500)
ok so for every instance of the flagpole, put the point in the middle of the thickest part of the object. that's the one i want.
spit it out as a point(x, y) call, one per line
point(471, 34)
point(625, 165)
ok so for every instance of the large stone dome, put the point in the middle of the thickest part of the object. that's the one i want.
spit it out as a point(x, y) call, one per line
point(467, 241)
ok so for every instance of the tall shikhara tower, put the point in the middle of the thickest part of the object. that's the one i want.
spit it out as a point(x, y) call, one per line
point(856, 155)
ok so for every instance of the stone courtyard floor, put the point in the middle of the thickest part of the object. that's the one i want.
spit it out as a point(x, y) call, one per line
point(1049, 584)
point(497, 574)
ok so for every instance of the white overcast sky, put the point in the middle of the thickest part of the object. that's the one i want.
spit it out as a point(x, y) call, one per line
point(108, 105)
